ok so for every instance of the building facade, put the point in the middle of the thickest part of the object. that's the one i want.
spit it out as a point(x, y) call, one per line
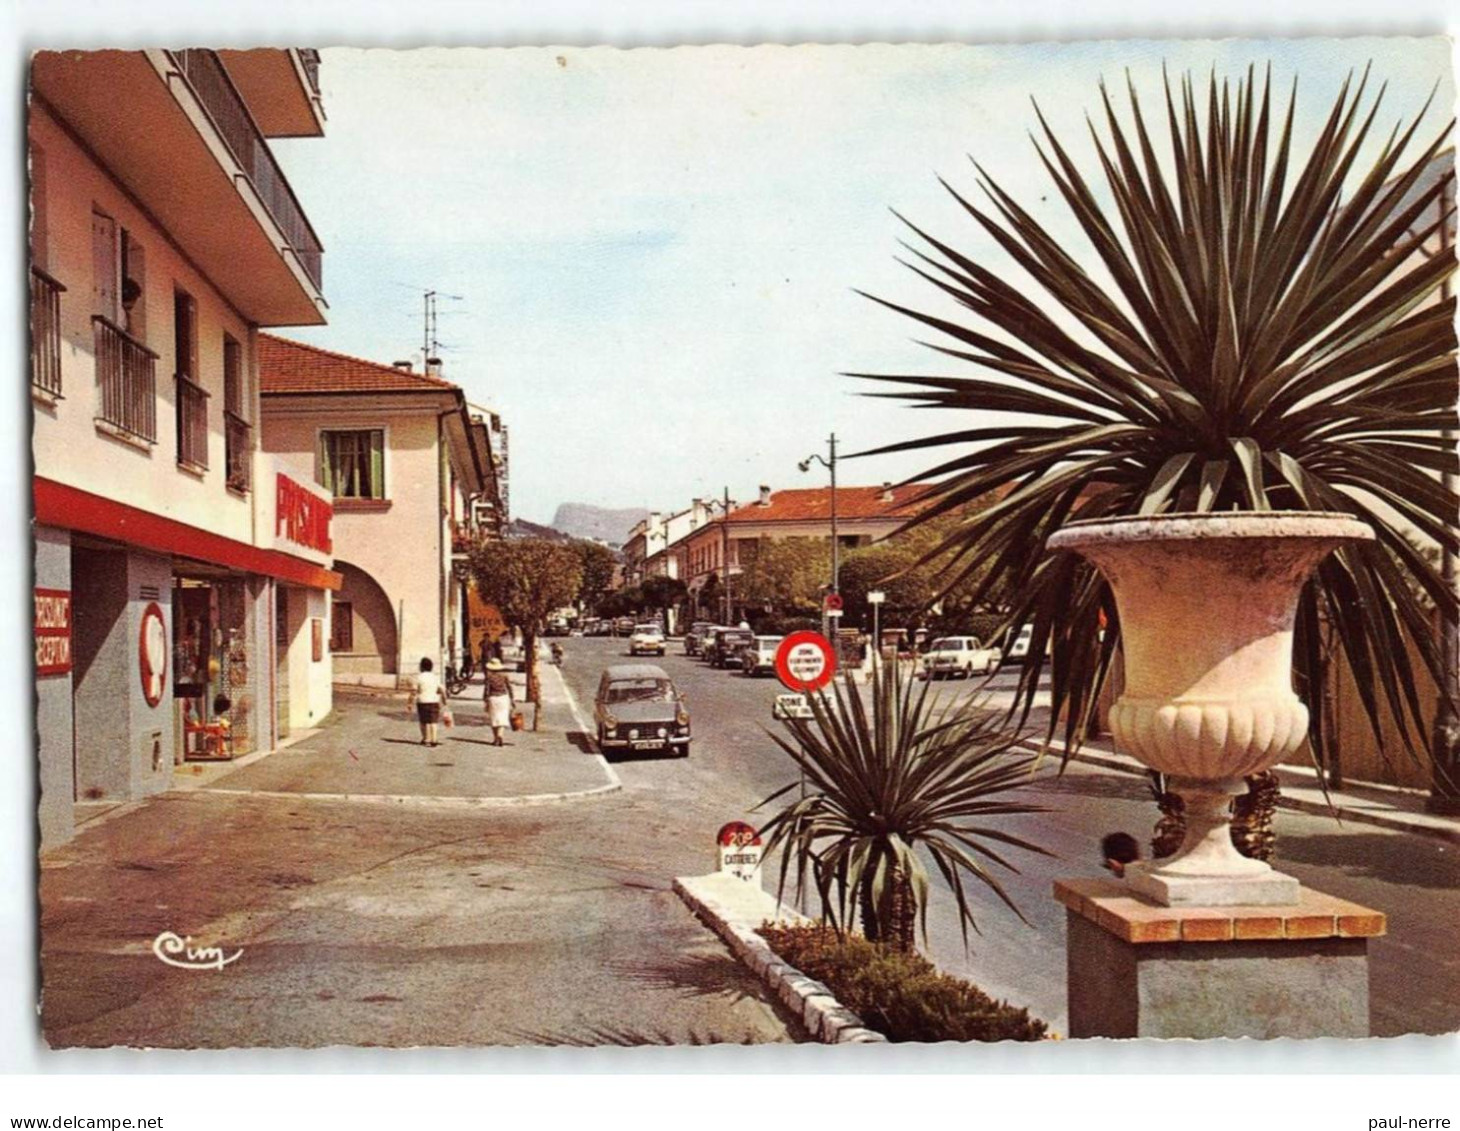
point(410, 472)
point(181, 579)
point(716, 551)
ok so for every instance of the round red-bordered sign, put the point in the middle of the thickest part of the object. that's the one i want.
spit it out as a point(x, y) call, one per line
point(805, 661)
point(737, 834)
point(152, 653)
point(834, 602)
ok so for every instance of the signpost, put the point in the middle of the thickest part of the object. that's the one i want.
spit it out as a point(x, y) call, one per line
point(805, 661)
point(875, 599)
point(739, 850)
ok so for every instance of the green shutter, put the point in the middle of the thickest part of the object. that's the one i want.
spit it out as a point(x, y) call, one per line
point(377, 464)
point(326, 464)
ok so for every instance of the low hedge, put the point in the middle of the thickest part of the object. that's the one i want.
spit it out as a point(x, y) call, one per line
point(902, 996)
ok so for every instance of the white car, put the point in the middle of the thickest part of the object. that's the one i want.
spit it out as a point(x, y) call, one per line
point(760, 655)
point(646, 639)
point(958, 656)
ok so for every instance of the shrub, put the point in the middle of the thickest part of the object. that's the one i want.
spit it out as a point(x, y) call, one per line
point(901, 995)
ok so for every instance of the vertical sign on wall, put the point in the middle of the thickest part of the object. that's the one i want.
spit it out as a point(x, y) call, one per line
point(316, 639)
point(52, 632)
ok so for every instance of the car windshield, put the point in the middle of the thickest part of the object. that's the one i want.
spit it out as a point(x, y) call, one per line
point(947, 644)
point(647, 628)
point(640, 691)
point(767, 641)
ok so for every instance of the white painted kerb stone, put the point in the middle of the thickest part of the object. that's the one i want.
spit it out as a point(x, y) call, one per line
point(734, 909)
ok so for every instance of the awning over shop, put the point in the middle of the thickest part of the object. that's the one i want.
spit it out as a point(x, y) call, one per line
point(70, 508)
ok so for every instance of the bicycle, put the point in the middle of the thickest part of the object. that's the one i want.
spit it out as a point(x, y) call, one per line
point(457, 679)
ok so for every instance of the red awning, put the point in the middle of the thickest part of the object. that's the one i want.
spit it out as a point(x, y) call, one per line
point(71, 508)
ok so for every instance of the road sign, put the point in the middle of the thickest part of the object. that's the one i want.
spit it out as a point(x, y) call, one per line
point(739, 849)
point(834, 602)
point(805, 661)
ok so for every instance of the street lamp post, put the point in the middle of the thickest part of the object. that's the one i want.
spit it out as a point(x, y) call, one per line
point(830, 465)
point(875, 599)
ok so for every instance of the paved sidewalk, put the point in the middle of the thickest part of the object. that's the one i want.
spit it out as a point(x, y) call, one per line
point(369, 749)
point(1362, 803)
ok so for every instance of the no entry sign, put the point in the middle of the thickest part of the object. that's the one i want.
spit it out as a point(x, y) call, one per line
point(805, 661)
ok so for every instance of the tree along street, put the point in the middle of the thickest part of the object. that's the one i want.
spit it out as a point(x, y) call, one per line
point(733, 766)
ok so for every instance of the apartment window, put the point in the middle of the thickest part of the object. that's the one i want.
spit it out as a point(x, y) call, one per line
point(45, 291)
point(125, 367)
point(352, 464)
point(237, 433)
point(342, 626)
point(192, 398)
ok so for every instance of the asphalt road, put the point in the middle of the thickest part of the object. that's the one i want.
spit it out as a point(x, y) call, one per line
point(733, 766)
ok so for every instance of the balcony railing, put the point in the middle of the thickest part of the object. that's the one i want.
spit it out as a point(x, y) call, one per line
point(310, 58)
point(192, 424)
point(126, 370)
point(209, 79)
point(238, 446)
point(45, 332)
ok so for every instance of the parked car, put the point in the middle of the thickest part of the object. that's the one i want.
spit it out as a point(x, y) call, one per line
point(1019, 650)
point(645, 640)
point(639, 708)
point(723, 649)
point(694, 639)
point(957, 656)
point(624, 626)
point(759, 656)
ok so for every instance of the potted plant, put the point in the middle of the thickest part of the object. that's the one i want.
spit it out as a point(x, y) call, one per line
point(1269, 339)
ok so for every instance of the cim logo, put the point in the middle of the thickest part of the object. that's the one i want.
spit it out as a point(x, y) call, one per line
point(302, 517)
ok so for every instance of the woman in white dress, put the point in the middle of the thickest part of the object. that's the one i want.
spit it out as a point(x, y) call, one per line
point(499, 700)
point(426, 698)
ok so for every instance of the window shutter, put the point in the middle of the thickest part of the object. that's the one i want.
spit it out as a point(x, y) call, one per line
point(377, 465)
point(103, 266)
point(326, 465)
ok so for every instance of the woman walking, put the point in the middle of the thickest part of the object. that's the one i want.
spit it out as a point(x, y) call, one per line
point(426, 696)
point(499, 700)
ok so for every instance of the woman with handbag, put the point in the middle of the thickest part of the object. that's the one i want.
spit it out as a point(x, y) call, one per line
point(426, 698)
point(499, 700)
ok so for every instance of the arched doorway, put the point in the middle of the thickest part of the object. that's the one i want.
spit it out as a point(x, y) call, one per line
point(363, 638)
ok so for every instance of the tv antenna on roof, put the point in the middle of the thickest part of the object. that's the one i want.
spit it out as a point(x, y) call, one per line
point(430, 343)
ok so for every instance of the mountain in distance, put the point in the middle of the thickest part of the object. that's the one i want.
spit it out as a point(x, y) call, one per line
point(584, 521)
point(521, 528)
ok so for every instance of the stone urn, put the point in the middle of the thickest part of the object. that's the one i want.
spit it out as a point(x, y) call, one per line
point(1207, 604)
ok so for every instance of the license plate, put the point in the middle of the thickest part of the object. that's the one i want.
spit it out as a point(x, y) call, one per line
point(649, 744)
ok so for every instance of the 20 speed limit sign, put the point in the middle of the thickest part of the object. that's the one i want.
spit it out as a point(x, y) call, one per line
point(805, 661)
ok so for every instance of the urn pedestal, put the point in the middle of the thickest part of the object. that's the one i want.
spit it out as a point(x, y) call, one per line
point(1207, 604)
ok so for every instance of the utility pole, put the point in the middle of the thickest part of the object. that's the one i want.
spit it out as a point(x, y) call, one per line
point(830, 465)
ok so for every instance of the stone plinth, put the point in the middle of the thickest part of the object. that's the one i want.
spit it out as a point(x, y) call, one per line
point(1138, 969)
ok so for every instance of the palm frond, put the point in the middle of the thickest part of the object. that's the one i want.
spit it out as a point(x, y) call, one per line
point(1273, 331)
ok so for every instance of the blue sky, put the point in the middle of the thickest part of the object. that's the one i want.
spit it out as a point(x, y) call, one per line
point(656, 248)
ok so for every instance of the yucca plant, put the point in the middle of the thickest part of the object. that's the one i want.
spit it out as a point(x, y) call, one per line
point(1266, 334)
point(883, 786)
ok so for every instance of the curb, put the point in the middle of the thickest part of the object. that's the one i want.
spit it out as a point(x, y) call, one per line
point(825, 1018)
point(1286, 801)
point(413, 801)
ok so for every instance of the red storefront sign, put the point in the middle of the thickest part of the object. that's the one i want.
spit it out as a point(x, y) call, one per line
point(52, 631)
point(301, 516)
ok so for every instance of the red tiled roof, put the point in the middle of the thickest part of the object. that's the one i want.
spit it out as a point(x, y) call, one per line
point(811, 504)
point(287, 366)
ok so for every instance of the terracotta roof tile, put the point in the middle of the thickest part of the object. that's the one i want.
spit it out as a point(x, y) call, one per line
point(287, 366)
point(809, 504)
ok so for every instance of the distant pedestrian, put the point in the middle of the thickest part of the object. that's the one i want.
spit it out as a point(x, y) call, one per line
point(1117, 850)
point(426, 698)
point(499, 700)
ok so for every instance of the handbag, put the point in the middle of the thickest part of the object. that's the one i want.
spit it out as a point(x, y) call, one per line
point(517, 720)
point(446, 719)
